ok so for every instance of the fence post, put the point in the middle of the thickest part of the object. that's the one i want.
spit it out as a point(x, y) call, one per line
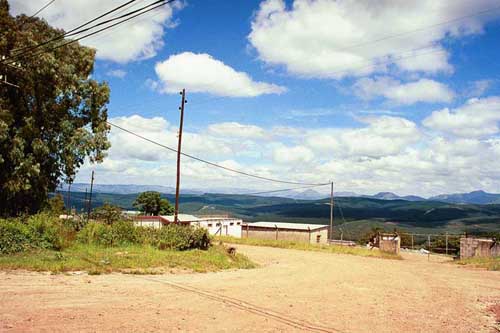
point(276, 231)
point(447, 243)
point(412, 246)
point(429, 245)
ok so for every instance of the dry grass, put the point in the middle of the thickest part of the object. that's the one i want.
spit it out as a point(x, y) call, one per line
point(127, 259)
point(337, 249)
point(491, 264)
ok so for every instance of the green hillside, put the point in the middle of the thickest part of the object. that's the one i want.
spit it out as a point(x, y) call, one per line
point(353, 215)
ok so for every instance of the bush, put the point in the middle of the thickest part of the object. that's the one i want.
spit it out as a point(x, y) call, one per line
point(41, 231)
point(119, 233)
point(174, 237)
point(178, 237)
point(49, 232)
point(13, 237)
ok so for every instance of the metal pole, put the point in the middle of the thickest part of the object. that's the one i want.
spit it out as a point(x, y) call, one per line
point(69, 198)
point(331, 210)
point(446, 243)
point(177, 186)
point(429, 245)
point(90, 196)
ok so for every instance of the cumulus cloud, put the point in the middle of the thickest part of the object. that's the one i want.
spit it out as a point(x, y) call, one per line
point(476, 118)
point(331, 39)
point(202, 73)
point(139, 38)
point(118, 73)
point(295, 154)
point(423, 90)
point(237, 130)
point(383, 154)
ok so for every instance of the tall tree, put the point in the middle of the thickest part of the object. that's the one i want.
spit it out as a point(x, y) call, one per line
point(151, 203)
point(53, 122)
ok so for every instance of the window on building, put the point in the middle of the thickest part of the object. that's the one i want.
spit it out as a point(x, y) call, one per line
point(210, 225)
point(238, 223)
point(218, 224)
point(232, 223)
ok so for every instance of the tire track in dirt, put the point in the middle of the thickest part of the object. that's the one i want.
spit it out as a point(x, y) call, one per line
point(245, 306)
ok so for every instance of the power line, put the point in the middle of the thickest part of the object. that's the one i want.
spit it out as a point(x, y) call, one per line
point(70, 31)
point(423, 28)
point(215, 164)
point(286, 189)
point(163, 2)
point(42, 9)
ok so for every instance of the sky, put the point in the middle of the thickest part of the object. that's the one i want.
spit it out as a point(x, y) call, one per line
point(400, 96)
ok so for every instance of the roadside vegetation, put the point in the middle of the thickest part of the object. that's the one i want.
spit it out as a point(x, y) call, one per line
point(44, 242)
point(337, 249)
point(491, 264)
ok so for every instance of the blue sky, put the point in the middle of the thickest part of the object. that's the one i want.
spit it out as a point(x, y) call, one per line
point(309, 91)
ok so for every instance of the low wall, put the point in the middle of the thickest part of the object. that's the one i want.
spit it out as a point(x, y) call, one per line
point(478, 247)
point(390, 243)
point(313, 236)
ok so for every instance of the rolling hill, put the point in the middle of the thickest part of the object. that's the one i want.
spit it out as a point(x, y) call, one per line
point(354, 215)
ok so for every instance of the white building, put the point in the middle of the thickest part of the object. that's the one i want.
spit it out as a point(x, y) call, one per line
point(310, 233)
point(216, 225)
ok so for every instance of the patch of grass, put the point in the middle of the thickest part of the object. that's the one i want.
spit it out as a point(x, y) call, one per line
point(353, 250)
point(134, 259)
point(491, 264)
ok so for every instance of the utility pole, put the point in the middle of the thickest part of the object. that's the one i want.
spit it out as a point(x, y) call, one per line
point(178, 181)
point(90, 196)
point(69, 198)
point(331, 210)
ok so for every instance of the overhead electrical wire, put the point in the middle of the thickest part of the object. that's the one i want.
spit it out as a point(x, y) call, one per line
point(43, 8)
point(286, 189)
point(215, 164)
point(419, 29)
point(61, 36)
point(163, 2)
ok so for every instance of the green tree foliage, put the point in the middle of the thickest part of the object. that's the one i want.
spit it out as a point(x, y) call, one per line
point(107, 213)
point(151, 203)
point(55, 205)
point(55, 119)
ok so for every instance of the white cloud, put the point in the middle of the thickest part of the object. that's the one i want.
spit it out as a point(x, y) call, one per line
point(118, 73)
point(237, 130)
point(139, 38)
point(329, 39)
point(292, 155)
point(383, 154)
point(202, 73)
point(477, 118)
point(479, 87)
point(423, 90)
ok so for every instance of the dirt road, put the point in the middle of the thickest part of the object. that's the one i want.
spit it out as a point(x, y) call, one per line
point(293, 291)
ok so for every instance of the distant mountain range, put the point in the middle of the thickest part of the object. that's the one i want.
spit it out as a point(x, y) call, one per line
point(475, 197)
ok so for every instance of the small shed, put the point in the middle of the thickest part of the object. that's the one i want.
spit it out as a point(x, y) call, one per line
point(479, 247)
point(310, 233)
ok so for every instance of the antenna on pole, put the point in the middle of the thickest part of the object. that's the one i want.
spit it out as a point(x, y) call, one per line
point(331, 210)
point(178, 180)
point(90, 196)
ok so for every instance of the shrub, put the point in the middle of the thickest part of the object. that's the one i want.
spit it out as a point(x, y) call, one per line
point(119, 233)
point(178, 237)
point(41, 231)
point(49, 232)
point(174, 237)
point(13, 237)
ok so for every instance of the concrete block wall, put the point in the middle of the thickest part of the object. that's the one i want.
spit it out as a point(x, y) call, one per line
point(478, 247)
point(390, 244)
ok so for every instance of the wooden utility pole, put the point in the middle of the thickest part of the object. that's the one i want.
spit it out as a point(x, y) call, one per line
point(69, 198)
point(179, 146)
point(90, 196)
point(331, 210)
